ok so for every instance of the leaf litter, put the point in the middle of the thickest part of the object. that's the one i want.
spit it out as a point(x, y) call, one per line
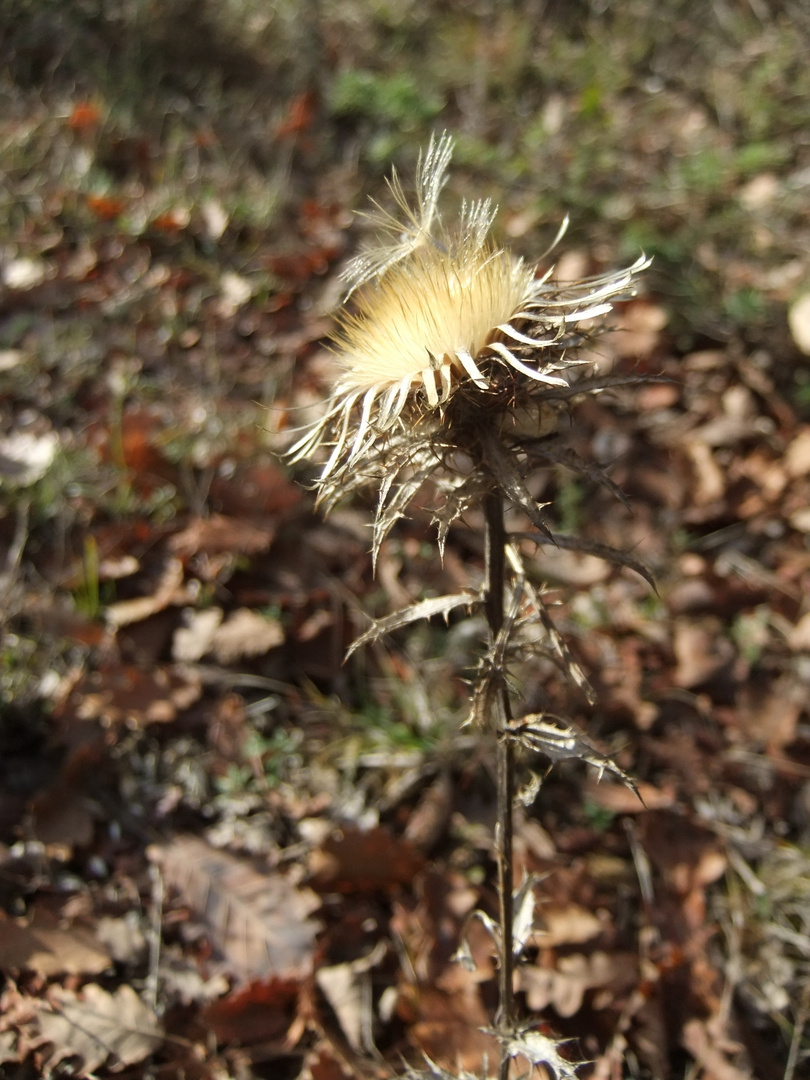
point(132, 358)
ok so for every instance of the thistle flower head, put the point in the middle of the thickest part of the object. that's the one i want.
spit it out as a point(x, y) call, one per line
point(432, 309)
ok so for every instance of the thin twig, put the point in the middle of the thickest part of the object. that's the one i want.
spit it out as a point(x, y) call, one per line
point(495, 570)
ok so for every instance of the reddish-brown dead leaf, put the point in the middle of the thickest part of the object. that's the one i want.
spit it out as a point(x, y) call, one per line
point(687, 855)
point(354, 860)
point(261, 1012)
point(300, 115)
point(259, 921)
point(130, 695)
point(253, 490)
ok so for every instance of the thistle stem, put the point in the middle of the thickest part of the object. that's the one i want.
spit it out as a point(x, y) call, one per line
point(494, 554)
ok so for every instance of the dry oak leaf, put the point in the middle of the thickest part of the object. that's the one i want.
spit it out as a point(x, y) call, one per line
point(565, 986)
point(48, 949)
point(567, 924)
point(96, 1026)
point(245, 633)
point(259, 920)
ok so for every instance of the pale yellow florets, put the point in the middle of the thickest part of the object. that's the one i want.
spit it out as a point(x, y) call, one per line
point(428, 318)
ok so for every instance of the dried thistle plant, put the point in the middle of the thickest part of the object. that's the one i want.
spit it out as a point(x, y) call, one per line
point(455, 360)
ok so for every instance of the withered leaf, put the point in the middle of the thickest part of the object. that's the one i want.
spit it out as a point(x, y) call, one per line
point(560, 741)
point(217, 534)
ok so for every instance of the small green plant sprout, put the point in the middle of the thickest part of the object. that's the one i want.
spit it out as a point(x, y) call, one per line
point(456, 359)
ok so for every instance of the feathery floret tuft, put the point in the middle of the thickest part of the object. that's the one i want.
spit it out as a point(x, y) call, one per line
point(439, 307)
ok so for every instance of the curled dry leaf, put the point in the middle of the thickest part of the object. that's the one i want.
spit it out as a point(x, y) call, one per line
point(169, 590)
point(347, 988)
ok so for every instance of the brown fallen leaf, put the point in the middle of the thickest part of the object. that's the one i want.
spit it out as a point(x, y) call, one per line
point(43, 946)
point(62, 817)
point(192, 641)
point(638, 329)
point(259, 921)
